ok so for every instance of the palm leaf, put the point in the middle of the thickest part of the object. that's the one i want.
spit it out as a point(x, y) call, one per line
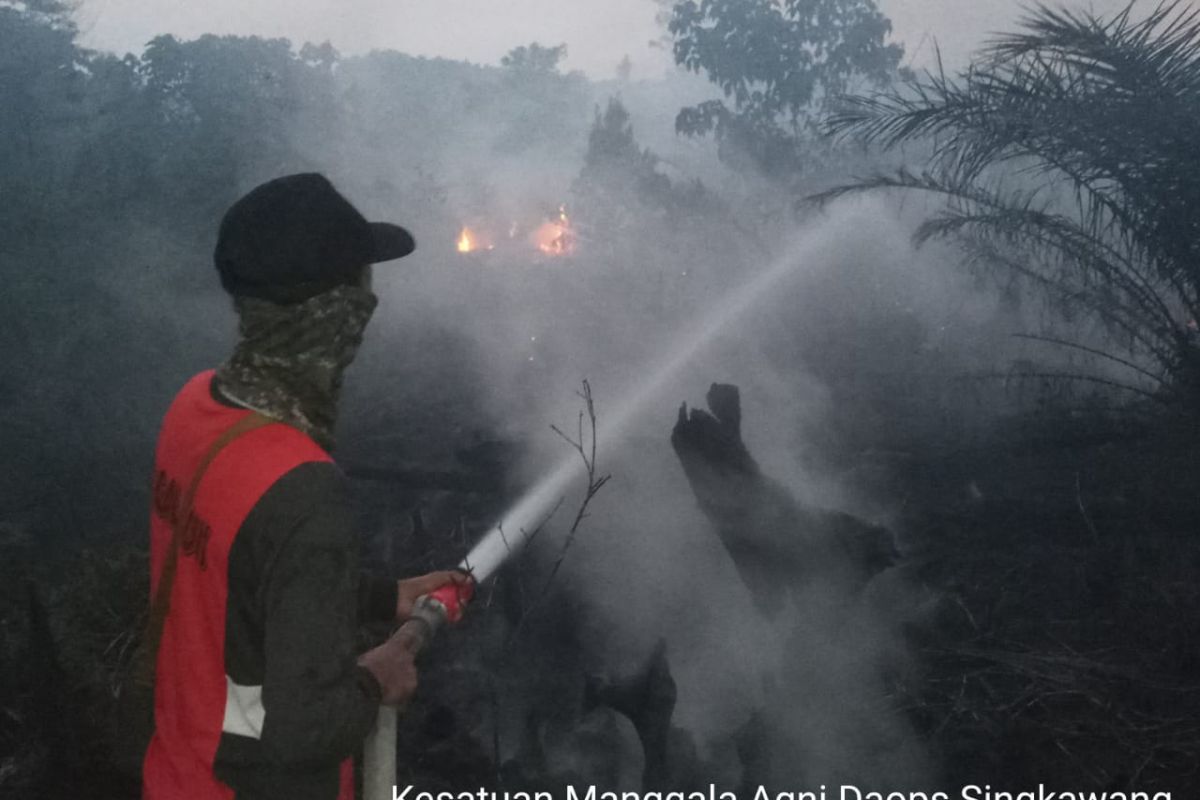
point(1098, 117)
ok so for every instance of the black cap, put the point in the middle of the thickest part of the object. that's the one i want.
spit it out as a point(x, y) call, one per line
point(295, 237)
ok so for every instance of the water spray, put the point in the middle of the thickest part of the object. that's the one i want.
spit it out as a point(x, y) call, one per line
point(434, 610)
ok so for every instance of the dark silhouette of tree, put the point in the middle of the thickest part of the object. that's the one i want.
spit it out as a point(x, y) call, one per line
point(1067, 154)
point(624, 69)
point(534, 58)
point(541, 99)
point(40, 79)
point(625, 207)
point(224, 106)
point(620, 182)
point(774, 61)
point(611, 141)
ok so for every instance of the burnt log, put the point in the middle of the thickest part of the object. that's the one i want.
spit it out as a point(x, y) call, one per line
point(774, 540)
point(648, 700)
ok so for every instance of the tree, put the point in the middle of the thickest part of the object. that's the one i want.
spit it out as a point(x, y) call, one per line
point(534, 59)
point(624, 69)
point(1067, 155)
point(543, 103)
point(611, 142)
point(39, 85)
point(619, 181)
point(774, 60)
point(227, 109)
point(625, 207)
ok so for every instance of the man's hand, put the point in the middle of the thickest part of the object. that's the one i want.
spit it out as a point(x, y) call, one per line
point(392, 665)
point(409, 589)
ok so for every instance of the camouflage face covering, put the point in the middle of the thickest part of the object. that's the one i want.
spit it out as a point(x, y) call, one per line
point(289, 362)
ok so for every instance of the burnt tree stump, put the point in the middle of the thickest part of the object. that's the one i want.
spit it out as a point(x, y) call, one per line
point(775, 541)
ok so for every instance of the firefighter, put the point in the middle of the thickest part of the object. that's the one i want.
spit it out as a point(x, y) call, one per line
point(255, 588)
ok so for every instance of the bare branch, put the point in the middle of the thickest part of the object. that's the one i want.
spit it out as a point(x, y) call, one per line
point(585, 446)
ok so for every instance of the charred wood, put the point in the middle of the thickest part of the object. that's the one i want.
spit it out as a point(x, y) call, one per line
point(774, 540)
point(648, 699)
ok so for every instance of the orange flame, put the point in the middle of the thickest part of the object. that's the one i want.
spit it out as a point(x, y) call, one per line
point(555, 237)
point(466, 241)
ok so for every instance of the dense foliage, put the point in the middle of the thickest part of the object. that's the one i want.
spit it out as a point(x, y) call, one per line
point(774, 61)
point(1067, 155)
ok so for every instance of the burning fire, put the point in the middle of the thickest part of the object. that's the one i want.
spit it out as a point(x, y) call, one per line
point(555, 237)
point(467, 241)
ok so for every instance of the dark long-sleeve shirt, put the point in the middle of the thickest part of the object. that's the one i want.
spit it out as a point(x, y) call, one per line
point(295, 598)
point(258, 688)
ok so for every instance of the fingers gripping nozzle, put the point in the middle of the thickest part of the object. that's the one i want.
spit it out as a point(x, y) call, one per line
point(453, 599)
point(432, 611)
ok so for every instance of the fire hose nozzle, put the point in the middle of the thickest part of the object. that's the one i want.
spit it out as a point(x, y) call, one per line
point(453, 599)
point(431, 611)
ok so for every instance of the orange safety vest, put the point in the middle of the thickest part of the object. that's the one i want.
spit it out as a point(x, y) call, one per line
point(192, 706)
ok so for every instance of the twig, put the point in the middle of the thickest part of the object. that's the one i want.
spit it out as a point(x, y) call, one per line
point(586, 448)
point(587, 452)
point(594, 484)
point(531, 535)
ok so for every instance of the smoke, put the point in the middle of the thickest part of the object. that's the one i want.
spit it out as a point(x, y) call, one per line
point(813, 684)
point(846, 341)
point(467, 348)
point(826, 358)
point(849, 346)
point(651, 568)
point(858, 344)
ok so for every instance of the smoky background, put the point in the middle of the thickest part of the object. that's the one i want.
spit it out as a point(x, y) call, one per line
point(863, 349)
point(866, 343)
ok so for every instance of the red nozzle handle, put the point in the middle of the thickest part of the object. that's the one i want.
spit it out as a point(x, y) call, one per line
point(454, 598)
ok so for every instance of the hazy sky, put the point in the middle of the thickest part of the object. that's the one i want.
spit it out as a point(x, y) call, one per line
point(598, 32)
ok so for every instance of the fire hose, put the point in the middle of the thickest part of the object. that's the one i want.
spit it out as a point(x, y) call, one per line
point(430, 613)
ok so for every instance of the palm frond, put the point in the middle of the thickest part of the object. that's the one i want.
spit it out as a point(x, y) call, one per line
point(1099, 118)
point(1157, 378)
